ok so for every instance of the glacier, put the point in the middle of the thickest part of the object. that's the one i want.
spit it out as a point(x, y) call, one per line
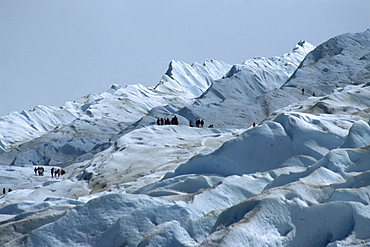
point(299, 177)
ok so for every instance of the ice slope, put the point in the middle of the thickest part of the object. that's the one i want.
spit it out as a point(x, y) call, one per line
point(46, 192)
point(314, 205)
point(97, 118)
point(289, 140)
point(258, 75)
point(351, 100)
point(341, 61)
point(231, 101)
point(144, 155)
point(193, 80)
point(19, 127)
point(123, 106)
point(134, 100)
point(119, 107)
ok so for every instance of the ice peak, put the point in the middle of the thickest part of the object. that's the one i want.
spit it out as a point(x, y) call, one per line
point(301, 42)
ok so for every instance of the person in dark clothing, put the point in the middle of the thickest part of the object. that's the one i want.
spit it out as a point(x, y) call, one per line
point(57, 173)
point(52, 172)
point(302, 91)
point(201, 123)
point(40, 171)
point(191, 124)
point(4, 191)
point(174, 121)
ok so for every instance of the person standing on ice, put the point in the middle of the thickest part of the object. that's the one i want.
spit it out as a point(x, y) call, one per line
point(52, 172)
point(57, 173)
point(302, 91)
point(174, 121)
point(41, 170)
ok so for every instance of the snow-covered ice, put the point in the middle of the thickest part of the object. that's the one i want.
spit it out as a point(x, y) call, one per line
point(301, 177)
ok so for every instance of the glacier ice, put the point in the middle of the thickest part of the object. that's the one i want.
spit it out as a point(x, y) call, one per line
point(299, 178)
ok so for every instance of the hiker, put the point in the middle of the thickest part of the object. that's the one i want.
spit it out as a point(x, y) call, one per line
point(40, 171)
point(174, 121)
point(4, 191)
point(254, 124)
point(57, 173)
point(62, 172)
point(313, 94)
point(302, 91)
point(162, 121)
point(52, 172)
point(158, 121)
point(191, 124)
point(201, 123)
point(35, 170)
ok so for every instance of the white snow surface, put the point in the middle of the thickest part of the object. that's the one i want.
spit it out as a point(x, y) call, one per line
point(126, 104)
point(301, 177)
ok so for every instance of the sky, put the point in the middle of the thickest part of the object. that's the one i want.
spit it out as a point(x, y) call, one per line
point(57, 51)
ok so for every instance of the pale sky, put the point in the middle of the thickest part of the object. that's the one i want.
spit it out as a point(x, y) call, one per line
point(56, 51)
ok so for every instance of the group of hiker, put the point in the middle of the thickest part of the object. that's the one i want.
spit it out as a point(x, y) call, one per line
point(57, 172)
point(4, 190)
point(167, 121)
point(313, 94)
point(175, 121)
point(39, 171)
point(198, 123)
